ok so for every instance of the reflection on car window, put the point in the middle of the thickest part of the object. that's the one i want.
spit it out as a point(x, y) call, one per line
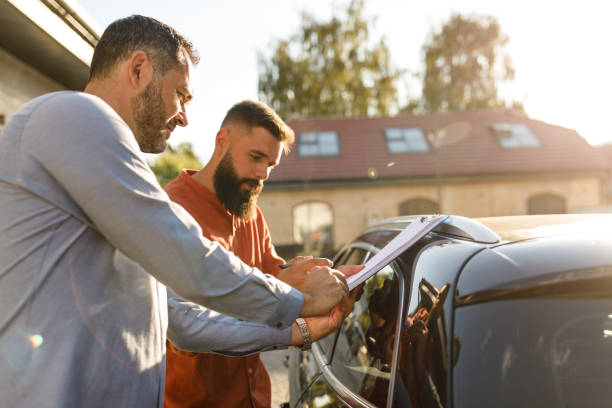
point(363, 355)
point(319, 395)
point(352, 256)
point(355, 257)
point(422, 364)
point(564, 344)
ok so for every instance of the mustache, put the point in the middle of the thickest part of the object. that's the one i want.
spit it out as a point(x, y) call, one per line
point(255, 184)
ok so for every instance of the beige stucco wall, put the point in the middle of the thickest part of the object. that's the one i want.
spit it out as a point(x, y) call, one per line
point(19, 83)
point(355, 208)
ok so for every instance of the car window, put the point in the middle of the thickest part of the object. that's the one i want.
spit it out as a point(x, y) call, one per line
point(362, 358)
point(352, 256)
point(422, 363)
point(355, 257)
point(319, 394)
point(340, 257)
point(534, 353)
point(422, 368)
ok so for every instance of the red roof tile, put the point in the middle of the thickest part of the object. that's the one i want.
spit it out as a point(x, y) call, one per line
point(363, 147)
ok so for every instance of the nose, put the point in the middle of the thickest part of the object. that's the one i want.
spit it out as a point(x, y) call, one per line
point(262, 172)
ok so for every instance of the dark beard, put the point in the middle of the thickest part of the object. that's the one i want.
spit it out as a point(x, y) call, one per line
point(227, 185)
point(148, 108)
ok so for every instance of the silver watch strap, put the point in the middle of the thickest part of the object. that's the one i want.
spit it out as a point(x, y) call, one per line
point(307, 340)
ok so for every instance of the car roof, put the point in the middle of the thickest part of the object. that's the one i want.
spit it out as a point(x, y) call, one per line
point(537, 226)
point(495, 230)
point(509, 255)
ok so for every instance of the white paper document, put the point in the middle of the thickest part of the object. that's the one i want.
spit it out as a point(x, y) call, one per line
point(404, 240)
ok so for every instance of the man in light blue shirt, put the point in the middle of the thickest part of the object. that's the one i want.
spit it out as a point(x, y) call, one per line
point(82, 218)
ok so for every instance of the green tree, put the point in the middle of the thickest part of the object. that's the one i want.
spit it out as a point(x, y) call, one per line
point(465, 61)
point(330, 68)
point(169, 164)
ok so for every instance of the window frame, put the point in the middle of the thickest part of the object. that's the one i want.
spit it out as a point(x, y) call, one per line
point(317, 136)
point(405, 140)
point(500, 128)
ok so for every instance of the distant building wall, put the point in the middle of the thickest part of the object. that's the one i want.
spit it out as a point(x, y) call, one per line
point(356, 207)
point(19, 83)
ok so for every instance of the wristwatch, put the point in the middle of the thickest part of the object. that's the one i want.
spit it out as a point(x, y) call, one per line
point(307, 344)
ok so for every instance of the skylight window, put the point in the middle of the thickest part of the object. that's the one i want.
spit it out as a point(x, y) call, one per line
point(409, 140)
point(318, 144)
point(514, 135)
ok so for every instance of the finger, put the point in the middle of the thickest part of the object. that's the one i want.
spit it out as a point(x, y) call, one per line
point(349, 270)
point(342, 281)
point(299, 259)
point(308, 264)
point(357, 292)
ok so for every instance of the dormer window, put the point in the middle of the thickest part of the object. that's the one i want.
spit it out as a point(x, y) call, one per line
point(318, 144)
point(407, 140)
point(514, 135)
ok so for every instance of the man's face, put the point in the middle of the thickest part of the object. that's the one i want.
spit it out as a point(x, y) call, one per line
point(247, 163)
point(160, 108)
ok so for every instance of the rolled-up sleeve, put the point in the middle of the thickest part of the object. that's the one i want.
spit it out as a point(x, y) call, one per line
point(95, 160)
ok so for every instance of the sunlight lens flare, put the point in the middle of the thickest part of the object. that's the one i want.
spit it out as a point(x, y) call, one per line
point(36, 340)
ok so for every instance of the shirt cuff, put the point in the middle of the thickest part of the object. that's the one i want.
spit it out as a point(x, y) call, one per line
point(281, 339)
point(289, 309)
point(275, 339)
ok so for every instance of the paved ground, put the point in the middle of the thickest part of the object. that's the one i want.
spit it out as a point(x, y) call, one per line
point(279, 375)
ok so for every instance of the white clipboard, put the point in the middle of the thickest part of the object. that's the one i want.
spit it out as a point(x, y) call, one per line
point(404, 240)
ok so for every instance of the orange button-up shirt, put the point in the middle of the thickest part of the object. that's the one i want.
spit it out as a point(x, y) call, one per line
point(212, 380)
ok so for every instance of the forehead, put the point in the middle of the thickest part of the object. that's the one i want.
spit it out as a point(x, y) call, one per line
point(256, 139)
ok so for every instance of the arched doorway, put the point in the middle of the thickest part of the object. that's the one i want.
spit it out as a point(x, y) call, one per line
point(546, 203)
point(417, 206)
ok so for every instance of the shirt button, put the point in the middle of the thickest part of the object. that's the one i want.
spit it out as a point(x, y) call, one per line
point(250, 371)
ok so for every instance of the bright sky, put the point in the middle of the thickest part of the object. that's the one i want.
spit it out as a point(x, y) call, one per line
point(560, 50)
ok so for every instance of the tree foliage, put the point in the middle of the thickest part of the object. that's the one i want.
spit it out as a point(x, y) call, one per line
point(330, 68)
point(464, 64)
point(170, 163)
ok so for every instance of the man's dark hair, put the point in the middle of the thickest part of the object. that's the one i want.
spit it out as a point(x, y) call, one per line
point(254, 113)
point(163, 45)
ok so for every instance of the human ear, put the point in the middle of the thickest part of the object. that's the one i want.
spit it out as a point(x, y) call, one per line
point(222, 141)
point(140, 70)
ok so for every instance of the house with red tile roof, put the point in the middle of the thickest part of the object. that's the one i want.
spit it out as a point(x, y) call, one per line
point(344, 173)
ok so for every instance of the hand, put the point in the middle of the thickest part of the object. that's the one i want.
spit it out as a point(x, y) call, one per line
point(323, 288)
point(321, 326)
point(300, 266)
point(300, 259)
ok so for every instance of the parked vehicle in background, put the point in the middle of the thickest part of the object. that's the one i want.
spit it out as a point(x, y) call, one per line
point(497, 312)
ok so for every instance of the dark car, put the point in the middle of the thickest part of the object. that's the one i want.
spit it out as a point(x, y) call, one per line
point(498, 312)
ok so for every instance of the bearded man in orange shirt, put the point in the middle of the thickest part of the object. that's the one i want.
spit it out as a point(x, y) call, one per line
point(222, 198)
